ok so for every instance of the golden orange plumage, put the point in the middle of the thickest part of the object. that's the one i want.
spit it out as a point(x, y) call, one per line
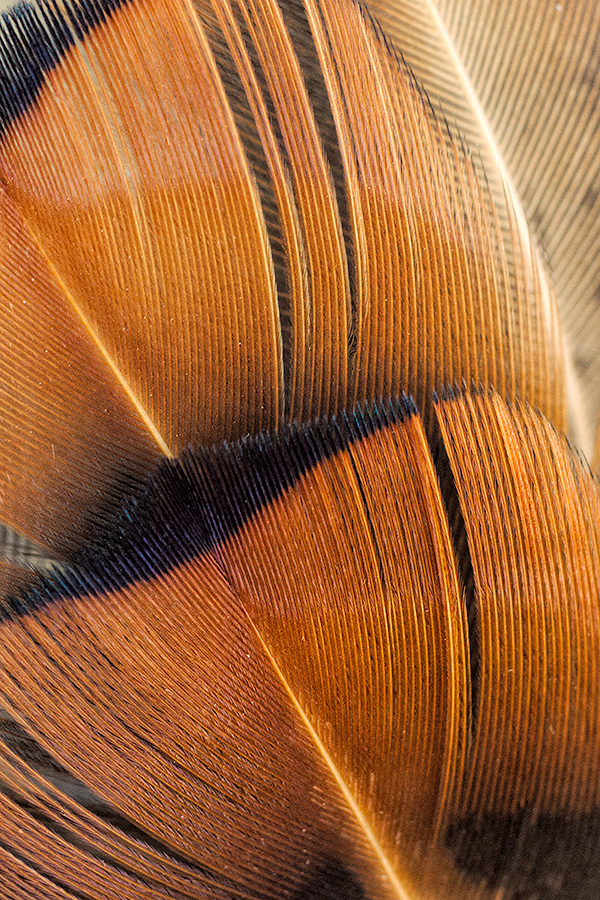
point(300, 578)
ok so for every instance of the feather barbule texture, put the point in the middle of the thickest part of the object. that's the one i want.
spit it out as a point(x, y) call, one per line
point(300, 575)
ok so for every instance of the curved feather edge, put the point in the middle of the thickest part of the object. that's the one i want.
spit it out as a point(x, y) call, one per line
point(265, 681)
point(121, 138)
point(521, 84)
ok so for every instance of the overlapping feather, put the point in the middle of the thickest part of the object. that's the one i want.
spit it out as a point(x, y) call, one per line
point(520, 82)
point(357, 658)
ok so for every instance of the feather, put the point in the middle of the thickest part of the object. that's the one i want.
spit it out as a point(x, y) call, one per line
point(285, 658)
point(266, 629)
point(520, 82)
point(101, 154)
point(113, 154)
point(57, 472)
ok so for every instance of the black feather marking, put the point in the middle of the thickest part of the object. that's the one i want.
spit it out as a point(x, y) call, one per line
point(34, 38)
point(549, 856)
point(193, 504)
point(332, 882)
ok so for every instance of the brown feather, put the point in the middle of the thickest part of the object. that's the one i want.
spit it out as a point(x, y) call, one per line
point(520, 82)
